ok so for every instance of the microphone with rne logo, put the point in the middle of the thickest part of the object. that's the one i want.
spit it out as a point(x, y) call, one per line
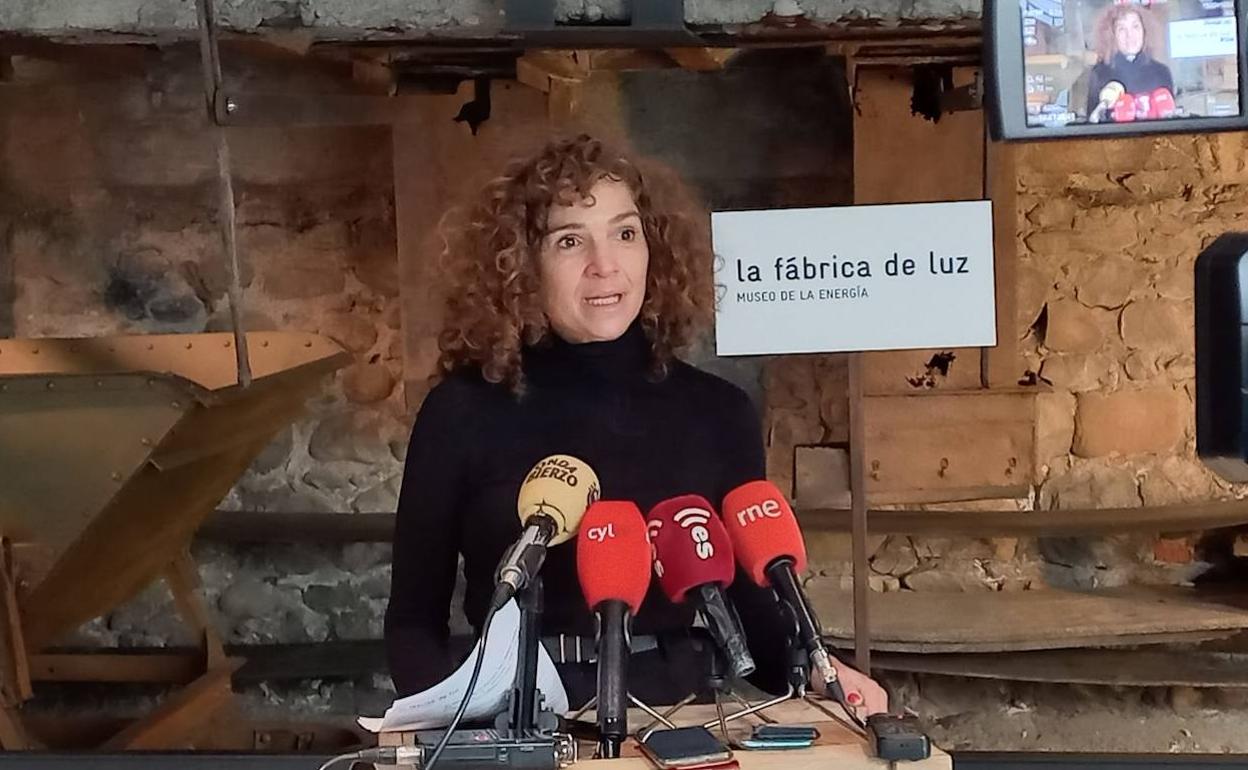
point(769, 547)
point(693, 557)
point(552, 500)
point(613, 564)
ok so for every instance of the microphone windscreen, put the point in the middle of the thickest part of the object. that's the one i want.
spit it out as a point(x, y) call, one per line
point(1111, 92)
point(762, 528)
point(690, 546)
point(613, 554)
point(561, 487)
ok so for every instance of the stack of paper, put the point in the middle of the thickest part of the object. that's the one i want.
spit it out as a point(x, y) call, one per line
point(434, 707)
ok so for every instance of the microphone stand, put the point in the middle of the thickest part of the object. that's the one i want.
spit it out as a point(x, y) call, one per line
point(524, 708)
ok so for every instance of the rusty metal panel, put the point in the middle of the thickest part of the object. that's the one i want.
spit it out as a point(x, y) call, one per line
point(68, 445)
point(113, 450)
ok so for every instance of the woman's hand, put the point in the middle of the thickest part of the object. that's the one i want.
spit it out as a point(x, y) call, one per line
point(862, 693)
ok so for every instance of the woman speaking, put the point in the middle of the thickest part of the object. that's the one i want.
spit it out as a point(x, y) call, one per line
point(573, 279)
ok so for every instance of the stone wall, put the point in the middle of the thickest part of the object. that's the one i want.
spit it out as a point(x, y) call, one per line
point(108, 225)
point(1109, 232)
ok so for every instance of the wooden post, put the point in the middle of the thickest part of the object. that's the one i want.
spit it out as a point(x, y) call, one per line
point(14, 664)
point(858, 529)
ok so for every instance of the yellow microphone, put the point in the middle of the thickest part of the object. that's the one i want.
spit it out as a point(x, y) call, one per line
point(552, 500)
point(1108, 96)
point(560, 488)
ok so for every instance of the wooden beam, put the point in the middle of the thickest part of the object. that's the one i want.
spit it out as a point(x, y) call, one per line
point(183, 713)
point(183, 580)
point(1052, 619)
point(148, 667)
point(274, 527)
point(1187, 517)
point(1002, 364)
point(244, 527)
point(540, 69)
point(702, 59)
point(1119, 668)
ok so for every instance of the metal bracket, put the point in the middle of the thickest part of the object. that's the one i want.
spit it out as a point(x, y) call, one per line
point(654, 24)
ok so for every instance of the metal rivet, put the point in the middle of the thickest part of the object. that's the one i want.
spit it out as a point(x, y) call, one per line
point(51, 385)
point(308, 344)
point(115, 476)
point(176, 405)
point(264, 344)
point(99, 383)
point(34, 351)
point(944, 465)
point(145, 441)
point(150, 346)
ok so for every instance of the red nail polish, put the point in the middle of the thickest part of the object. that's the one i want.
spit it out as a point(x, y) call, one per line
point(853, 698)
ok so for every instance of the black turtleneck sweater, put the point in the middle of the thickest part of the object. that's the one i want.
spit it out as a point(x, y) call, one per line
point(472, 444)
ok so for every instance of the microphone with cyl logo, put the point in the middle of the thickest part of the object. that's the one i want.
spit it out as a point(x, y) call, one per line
point(552, 500)
point(769, 547)
point(613, 564)
point(693, 556)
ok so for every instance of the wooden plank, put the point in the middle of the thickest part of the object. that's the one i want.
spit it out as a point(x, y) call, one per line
point(1123, 668)
point(948, 444)
point(327, 528)
point(182, 577)
point(13, 735)
point(702, 59)
point(344, 658)
point(1072, 522)
point(181, 714)
point(1002, 364)
point(900, 157)
point(439, 162)
point(993, 621)
point(174, 667)
point(14, 665)
point(300, 527)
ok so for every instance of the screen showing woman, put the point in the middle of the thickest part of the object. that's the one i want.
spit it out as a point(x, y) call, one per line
point(1113, 62)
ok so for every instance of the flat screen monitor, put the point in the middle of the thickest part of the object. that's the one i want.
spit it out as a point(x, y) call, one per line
point(1060, 68)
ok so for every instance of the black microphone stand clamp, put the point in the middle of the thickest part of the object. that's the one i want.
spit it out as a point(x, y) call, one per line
point(527, 714)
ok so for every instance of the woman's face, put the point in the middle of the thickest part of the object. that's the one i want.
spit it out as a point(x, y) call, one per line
point(1129, 34)
point(593, 265)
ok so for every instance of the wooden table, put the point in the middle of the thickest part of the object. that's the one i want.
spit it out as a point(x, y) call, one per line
point(838, 746)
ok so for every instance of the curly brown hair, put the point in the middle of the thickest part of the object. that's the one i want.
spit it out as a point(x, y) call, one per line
point(1107, 44)
point(491, 247)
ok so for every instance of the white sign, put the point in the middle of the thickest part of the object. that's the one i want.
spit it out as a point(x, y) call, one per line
point(823, 280)
point(1203, 37)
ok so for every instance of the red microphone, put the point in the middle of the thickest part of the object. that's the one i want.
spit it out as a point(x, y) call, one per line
point(1161, 104)
point(613, 564)
point(693, 558)
point(1124, 109)
point(770, 549)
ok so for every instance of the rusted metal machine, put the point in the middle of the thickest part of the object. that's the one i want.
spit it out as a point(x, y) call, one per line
point(112, 451)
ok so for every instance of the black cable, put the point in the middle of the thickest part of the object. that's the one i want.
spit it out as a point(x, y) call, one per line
point(472, 685)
